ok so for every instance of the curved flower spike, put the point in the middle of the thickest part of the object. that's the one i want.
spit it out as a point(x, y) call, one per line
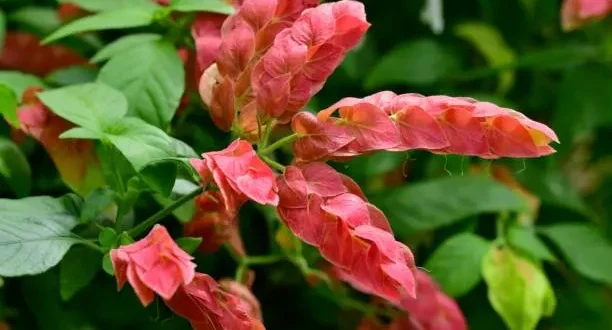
point(305, 55)
point(326, 210)
point(207, 305)
point(239, 174)
point(155, 264)
point(440, 124)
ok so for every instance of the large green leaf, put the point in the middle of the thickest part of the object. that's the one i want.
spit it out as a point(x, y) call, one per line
point(77, 270)
point(140, 142)
point(456, 263)
point(213, 6)
point(41, 19)
point(526, 241)
point(8, 105)
point(153, 79)
point(518, 290)
point(19, 82)
point(420, 62)
point(93, 106)
point(120, 18)
point(100, 5)
point(34, 234)
point(441, 202)
point(14, 167)
point(585, 249)
point(72, 75)
point(491, 45)
point(124, 44)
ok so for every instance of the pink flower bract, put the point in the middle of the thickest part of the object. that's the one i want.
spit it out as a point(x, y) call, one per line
point(155, 264)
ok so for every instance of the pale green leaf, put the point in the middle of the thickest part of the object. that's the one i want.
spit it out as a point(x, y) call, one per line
point(121, 18)
point(585, 249)
point(93, 106)
point(518, 290)
point(491, 45)
point(14, 167)
point(34, 234)
point(101, 5)
point(455, 264)
point(213, 6)
point(124, 44)
point(441, 202)
point(19, 82)
point(153, 79)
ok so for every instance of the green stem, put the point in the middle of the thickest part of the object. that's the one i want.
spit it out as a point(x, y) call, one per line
point(89, 244)
point(278, 144)
point(274, 164)
point(267, 132)
point(500, 226)
point(263, 260)
point(155, 218)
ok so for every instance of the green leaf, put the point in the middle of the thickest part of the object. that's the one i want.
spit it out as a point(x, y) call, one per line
point(491, 45)
point(121, 18)
point(441, 202)
point(8, 105)
point(41, 19)
point(95, 203)
point(19, 82)
point(107, 265)
point(518, 290)
point(117, 170)
point(140, 142)
point(123, 45)
point(153, 80)
point(456, 264)
point(189, 244)
point(583, 101)
point(72, 75)
point(34, 234)
point(2, 27)
point(420, 62)
point(160, 176)
point(101, 5)
point(585, 249)
point(526, 241)
point(14, 167)
point(93, 106)
point(213, 6)
point(182, 187)
point(108, 238)
point(77, 270)
point(81, 133)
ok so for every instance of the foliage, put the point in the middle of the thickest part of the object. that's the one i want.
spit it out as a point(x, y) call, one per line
point(234, 164)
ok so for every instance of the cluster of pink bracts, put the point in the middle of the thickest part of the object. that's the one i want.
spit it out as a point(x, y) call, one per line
point(575, 13)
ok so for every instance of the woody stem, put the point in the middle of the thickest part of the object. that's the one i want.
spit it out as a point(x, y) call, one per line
point(155, 218)
point(278, 144)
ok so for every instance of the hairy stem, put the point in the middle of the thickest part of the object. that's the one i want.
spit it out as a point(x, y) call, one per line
point(155, 218)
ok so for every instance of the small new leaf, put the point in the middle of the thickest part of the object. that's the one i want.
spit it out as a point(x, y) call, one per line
point(189, 244)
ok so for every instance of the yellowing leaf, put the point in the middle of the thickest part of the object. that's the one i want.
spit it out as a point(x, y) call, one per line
point(493, 48)
point(518, 290)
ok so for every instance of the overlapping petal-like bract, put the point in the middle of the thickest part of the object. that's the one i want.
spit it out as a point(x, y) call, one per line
point(440, 124)
point(75, 160)
point(23, 52)
point(208, 305)
point(239, 174)
point(305, 55)
point(155, 264)
point(245, 36)
point(575, 13)
point(432, 309)
point(327, 210)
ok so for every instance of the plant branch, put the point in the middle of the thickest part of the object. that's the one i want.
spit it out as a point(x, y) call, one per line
point(274, 164)
point(155, 218)
point(278, 144)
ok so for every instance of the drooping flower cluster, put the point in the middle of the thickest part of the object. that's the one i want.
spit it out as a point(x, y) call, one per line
point(156, 265)
point(328, 210)
point(440, 124)
point(75, 160)
point(578, 12)
point(240, 175)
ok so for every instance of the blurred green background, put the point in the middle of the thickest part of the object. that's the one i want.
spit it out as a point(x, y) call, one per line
point(510, 52)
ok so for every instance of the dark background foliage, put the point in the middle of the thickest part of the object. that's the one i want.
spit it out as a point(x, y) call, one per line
point(515, 55)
